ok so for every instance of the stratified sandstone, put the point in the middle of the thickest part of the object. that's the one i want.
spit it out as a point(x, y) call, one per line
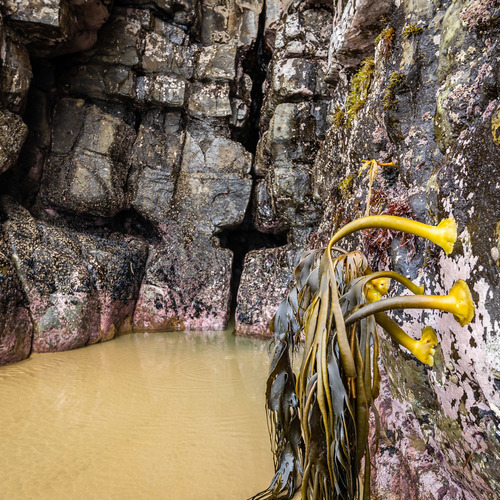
point(137, 137)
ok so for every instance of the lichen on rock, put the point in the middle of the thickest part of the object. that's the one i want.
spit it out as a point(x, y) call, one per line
point(134, 135)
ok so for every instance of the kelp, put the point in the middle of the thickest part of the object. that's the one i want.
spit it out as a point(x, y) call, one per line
point(319, 419)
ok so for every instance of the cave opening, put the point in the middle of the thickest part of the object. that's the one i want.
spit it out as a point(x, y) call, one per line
point(243, 239)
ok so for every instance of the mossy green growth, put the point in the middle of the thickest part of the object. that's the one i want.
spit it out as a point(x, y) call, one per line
point(395, 81)
point(345, 184)
point(385, 38)
point(385, 34)
point(411, 29)
point(339, 117)
point(360, 86)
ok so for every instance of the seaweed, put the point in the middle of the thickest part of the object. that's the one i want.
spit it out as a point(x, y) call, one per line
point(360, 86)
point(319, 419)
point(385, 39)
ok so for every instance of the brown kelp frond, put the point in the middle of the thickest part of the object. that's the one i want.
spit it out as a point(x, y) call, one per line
point(319, 419)
point(282, 403)
point(329, 414)
point(373, 286)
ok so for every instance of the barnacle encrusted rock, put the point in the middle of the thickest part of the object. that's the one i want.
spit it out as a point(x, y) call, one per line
point(79, 289)
point(13, 132)
point(158, 127)
point(16, 327)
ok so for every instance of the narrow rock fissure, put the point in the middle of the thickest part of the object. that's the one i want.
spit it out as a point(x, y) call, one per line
point(243, 239)
point(255, 62)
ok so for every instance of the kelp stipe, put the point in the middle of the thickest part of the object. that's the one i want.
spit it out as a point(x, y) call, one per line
point(319, 420)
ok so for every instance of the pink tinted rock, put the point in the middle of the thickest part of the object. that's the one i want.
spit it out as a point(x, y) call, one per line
point(407, 463)
point(266, 279)
point(186, 288)
point(63, 321)
point(116, 268)
point(16, 328)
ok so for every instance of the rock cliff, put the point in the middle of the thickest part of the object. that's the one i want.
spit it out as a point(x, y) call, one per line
point(163, 162)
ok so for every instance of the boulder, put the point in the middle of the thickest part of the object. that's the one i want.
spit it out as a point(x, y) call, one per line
point(264, 214)
point(87, 168)
point(55, 27)
point(216, 62)
point(295, 131)
point(15, 72)
point(266, 280)
point(186, 286)
point(187, 279)
point(16, 327)
point(169, 52)
point(225, 21)
point(118, 39)
point(116, 267)
point(79, 289)
point(56, 282)
point(357, 25)
point(303, 33)
point(155, 163)
point(288, 146)
point(162, 90)
point(298, 79)
point(210, 100)
point(138, 57)
point(115, 83)
point(13, 133)
point(214, 184)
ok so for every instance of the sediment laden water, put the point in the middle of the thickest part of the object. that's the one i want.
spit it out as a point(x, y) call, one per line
point(175, 416)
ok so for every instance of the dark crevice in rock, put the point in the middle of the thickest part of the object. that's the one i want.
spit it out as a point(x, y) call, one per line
point(255, 61)
point(22, 182)
point(134, 224)
point(243, 239)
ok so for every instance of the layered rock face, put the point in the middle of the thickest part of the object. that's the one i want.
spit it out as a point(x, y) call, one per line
point(127, 145)
point(140, 140)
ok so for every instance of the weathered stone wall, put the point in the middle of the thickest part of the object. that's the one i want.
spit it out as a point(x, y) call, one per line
point(134, 135)
point(127, 141)
point(431, 107)
point(429, 103)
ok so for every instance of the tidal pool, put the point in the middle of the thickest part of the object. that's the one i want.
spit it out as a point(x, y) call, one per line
point(174, 416)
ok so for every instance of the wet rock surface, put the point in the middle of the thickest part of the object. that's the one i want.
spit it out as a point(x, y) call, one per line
point(87, 168)
point(263, 269)
point(138, 138)
point(80, 288)
point(185, 287)
point(16, 327)
point(13, 133)
point(441, 425)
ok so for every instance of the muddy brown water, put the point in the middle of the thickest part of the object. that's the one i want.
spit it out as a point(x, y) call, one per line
point(175, 416)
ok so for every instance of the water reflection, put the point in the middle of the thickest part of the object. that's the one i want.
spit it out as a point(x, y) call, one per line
point(156, 416)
